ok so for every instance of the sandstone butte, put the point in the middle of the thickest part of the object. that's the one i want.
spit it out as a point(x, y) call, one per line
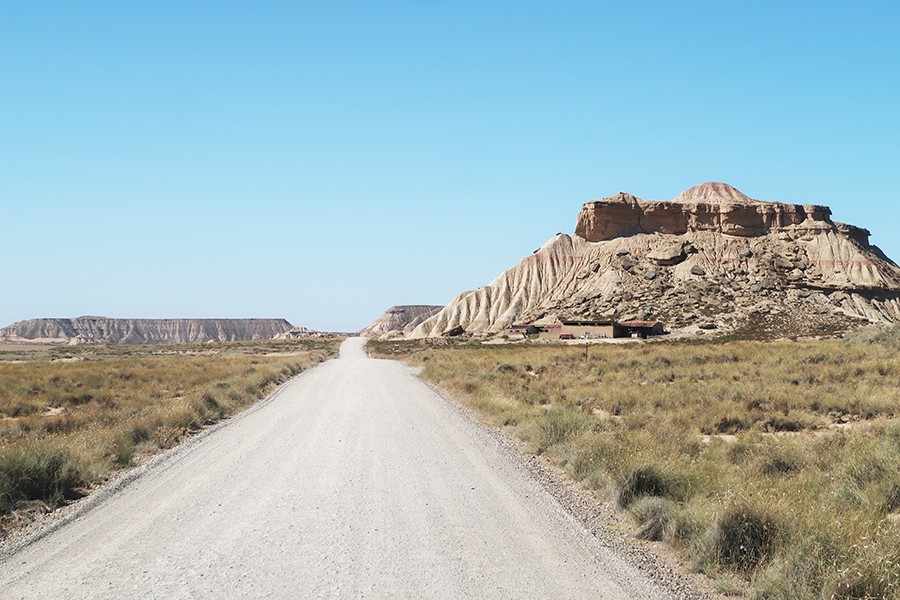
point(712, 257)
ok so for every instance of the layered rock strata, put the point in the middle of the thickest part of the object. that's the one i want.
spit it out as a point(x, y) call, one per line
point(716, 207)
point(103, 330)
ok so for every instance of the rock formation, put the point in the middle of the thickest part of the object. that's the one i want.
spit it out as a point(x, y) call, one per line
point(713, 257)
point(714, 207)
point(296, 333)
point(103, 330)
point(400, 319)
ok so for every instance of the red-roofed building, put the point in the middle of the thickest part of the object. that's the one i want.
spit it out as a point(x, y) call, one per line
point(642, 329)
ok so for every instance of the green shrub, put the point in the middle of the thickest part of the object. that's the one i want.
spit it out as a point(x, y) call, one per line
point(882, 336)
point(122, 450)
point(643, 481)
point(556, 424)
point(892, 497)
point(775, 461)
point(874, 575)
point(36, 471)
point(744, 537)
point(655, 516)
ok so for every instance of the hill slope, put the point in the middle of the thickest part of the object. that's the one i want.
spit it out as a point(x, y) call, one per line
point(402, 319)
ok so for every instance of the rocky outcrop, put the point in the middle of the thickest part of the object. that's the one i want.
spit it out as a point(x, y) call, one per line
point(713, 257)
point(710, 206)
point(400, 319)
point(667, 255)
point(295, 333)
point(103, 330)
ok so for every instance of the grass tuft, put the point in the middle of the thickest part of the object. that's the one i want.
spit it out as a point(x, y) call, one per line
point(35, 471)
point(744, 537)
point(643, 481)
point(655, 516)
point(555, 425)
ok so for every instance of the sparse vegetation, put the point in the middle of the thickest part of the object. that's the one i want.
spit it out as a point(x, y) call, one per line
point(67, 422)
point(654, 515)
point(885, 336)
point(775, 462)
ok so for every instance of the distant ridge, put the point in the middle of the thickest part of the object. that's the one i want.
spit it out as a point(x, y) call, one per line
point(105, 330)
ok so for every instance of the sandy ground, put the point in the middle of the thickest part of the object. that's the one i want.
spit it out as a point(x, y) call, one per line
point(353, 480)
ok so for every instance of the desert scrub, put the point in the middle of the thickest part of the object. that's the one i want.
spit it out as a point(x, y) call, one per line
point(65, 425)
point(775, 462)
point(655, 516)
point(36, 470)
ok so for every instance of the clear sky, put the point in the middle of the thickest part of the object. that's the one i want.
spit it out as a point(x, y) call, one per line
point(321, 161)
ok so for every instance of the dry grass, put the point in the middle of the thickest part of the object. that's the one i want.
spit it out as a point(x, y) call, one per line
point(777, 462)
point(67, 423)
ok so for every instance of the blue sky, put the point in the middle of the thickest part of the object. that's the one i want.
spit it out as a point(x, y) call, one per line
point(323, 161)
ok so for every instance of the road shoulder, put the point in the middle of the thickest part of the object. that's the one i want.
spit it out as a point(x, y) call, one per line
point(600, 519)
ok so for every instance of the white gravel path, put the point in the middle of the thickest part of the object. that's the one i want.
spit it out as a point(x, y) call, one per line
point(354, 480)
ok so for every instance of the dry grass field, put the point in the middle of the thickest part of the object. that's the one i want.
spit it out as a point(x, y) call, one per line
point(772, 466)
point(69, 416)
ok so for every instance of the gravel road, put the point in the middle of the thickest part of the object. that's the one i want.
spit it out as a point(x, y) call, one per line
point(354, 480)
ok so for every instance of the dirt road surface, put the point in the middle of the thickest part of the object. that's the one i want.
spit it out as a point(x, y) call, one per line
point(355, 480)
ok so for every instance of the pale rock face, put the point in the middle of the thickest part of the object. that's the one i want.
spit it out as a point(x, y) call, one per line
point(295, 333)
point(103, 330)
point(713, 192)
point(712, 255)
point(668, 254)
point(400, 319)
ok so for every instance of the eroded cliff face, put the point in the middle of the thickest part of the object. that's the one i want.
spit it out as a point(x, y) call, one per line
point(712, 257)
point(103, 330)
point(400, 319)
point(712, 206)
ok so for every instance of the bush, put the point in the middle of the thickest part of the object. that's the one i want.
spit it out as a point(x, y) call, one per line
point(882, 336)
point(655, 516)
point(122, 450)
point(643, 481)
point(892, 497)
point(37, 471)
point(730, 424)
point(873, 576)
point(744, 537)
point(775, 461)
point(558, 424)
